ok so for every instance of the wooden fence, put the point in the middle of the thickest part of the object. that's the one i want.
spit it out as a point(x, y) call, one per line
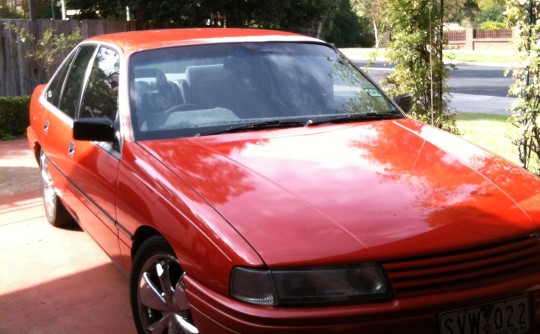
point(501, 33)
point(476, 39)
point(18, 75)
point(455, 35)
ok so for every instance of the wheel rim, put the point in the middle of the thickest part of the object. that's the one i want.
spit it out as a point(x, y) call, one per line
point(49, 194)
point(161, 297)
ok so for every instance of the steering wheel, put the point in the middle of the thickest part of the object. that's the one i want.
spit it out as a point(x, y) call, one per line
point(281, 107)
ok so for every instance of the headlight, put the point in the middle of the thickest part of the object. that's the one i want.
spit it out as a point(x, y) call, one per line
point(309, 286)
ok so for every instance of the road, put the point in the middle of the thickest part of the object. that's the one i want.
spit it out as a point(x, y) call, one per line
point(478, 89)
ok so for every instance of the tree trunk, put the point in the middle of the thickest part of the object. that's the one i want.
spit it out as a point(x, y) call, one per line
point(375, 32)
point(32, 9)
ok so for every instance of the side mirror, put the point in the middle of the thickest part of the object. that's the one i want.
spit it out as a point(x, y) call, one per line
point(94, 129)
point(405, 102)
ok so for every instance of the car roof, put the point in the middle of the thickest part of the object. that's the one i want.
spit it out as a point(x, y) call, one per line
point(134, 41)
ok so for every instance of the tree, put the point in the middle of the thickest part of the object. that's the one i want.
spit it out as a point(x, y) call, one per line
point(8, 11)
point(454, 11)
point(310, 16)
point(374, 9)
point(490, 13)
point(416, 49)
point(99, 9)
point(494, 13)
point(348, 29)
point(525, 16)
point(461, 11)
point(486, 4)
point(39, 9)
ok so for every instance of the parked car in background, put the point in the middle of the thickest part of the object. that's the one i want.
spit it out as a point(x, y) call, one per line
point(252, 181)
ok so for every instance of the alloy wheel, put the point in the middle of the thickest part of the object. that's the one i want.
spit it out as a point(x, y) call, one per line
point(162, 302)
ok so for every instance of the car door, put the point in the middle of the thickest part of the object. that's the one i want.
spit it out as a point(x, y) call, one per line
point(90, 168)
point(96, 163)
point(60, 102)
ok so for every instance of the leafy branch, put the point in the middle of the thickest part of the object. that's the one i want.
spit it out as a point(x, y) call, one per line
point(524, 15)
point(419, 70)
point(45, 51)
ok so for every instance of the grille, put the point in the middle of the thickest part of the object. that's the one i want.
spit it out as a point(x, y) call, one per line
point(464, 269)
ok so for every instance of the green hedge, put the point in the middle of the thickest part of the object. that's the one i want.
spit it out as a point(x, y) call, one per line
point(13, 116)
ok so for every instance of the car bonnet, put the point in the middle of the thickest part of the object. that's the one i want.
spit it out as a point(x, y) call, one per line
point(356, 192)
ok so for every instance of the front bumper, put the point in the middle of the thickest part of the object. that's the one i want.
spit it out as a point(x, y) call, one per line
point(216, 314)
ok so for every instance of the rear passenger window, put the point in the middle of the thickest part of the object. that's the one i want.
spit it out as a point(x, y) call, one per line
point(72, 86)
point(57, 83)
point(101, 92)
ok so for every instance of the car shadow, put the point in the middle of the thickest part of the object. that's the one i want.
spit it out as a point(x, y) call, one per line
point(95, 300)
point(58, 280)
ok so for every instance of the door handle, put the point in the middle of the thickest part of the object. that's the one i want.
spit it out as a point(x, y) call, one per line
point(46, 126)
point(71, 149)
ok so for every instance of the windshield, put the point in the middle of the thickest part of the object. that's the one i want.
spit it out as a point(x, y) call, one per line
point(209, 89)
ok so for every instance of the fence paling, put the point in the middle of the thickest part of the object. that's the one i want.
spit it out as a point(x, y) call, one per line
point(18, 75)
point(456, 35)
point(500, 33)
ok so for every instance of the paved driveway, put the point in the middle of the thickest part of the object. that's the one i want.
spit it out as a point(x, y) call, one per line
point(51, 280)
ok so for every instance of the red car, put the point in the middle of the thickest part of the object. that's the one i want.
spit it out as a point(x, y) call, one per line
point(252, 181)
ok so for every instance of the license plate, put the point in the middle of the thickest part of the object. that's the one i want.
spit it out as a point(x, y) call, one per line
point(510, 316)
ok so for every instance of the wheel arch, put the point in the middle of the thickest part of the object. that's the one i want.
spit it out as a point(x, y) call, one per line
point(36, 149)
point(141, 235)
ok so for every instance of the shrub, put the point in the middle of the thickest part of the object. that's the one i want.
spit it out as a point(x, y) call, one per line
point(490, 25)
point(415, 50)
point(42, 53)
point(526, 86)
point(13, 116)
point(493, 13)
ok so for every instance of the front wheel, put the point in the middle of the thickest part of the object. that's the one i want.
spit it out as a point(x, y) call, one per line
point(56, 213)
point(158, 296)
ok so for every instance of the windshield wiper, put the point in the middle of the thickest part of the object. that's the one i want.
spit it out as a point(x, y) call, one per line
point(273, 124)
point(277, 124)
point(356, 117)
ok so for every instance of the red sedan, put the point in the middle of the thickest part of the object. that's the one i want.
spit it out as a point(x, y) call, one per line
point(252, 181)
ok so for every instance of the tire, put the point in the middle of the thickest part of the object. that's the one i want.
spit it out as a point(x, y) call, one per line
point(158, 297)
point(55, 211)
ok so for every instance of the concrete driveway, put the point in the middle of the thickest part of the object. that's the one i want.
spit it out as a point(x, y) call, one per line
point(51, 280)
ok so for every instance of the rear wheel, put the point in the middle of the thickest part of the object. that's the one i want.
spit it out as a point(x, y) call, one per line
point(56, 213)
point(158, 296)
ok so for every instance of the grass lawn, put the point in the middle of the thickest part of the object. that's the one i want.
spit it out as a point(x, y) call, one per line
point(492, 132)
point(479, 56)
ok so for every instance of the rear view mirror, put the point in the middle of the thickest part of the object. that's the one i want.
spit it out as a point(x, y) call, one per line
point(94, 129)
point(405, 102)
